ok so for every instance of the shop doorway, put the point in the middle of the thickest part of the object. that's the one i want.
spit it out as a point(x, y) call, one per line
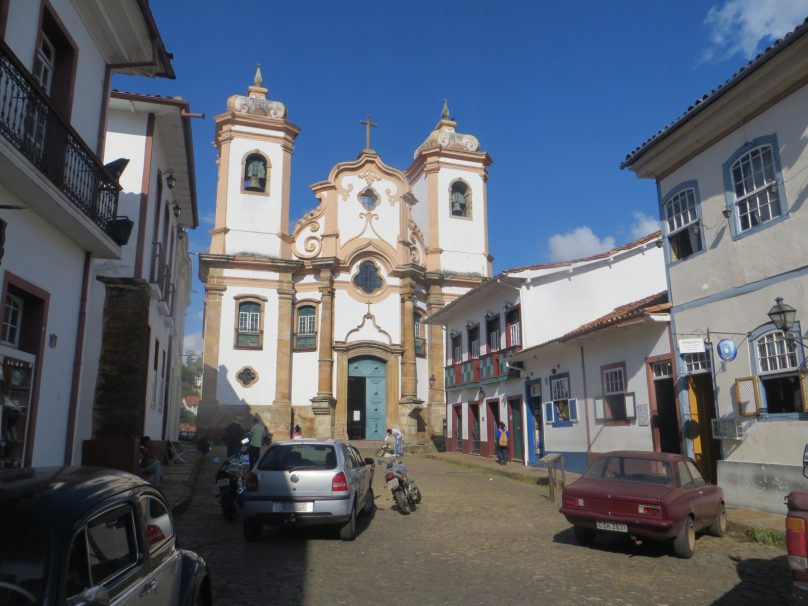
point(474, 428)
point(706, 450)
point(367, 398)
point(493, 418)
point(664, 414)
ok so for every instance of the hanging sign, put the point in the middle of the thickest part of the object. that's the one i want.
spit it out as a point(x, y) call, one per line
point(687, 346)
point(726, 350)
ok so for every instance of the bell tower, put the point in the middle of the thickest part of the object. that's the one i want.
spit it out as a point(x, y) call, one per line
point(255, 143)
point(450, 174)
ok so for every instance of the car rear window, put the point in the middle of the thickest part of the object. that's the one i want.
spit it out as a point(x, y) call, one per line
point(627, 469)
point(23, 556)
point(286, 457)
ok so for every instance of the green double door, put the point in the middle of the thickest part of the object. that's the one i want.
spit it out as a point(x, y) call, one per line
point(367, 398)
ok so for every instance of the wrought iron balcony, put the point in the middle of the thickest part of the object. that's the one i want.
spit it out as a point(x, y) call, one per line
point(30, 122)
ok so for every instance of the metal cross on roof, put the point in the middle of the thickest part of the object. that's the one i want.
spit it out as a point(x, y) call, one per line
point(368, 125)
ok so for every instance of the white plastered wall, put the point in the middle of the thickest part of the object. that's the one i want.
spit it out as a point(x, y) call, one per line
point(462, 239)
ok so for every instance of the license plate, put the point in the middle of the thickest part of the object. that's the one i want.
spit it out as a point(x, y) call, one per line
point(613, 526)
point(392, 484)
point(224, 483)
point(289, 507)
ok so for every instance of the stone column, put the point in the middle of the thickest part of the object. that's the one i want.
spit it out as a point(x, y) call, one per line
point(436, 400)
point(409, 392)
point(208, 419)
point(322, 405)
point(281, 406)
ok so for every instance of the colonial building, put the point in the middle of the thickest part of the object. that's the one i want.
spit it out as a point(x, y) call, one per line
point(58, 203)
point(530, 348)
point(321, 325)
point(132, 372)
point(731, 176)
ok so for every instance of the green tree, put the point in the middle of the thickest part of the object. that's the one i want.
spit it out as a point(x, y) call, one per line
point(191, 374)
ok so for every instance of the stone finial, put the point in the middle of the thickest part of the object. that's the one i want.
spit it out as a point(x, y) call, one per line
point(444, 115)
point(258, 80)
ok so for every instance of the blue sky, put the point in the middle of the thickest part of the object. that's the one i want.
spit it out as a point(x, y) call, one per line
point(557, 93)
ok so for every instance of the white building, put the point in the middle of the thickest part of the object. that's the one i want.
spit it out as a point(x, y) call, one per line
point(731, 175)
point(132, 373)
point(506, 343)
point(321, 325)
point(58, 203)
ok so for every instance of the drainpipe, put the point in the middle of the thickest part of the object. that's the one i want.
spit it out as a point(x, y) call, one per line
point(586, 407)
point(78, 352)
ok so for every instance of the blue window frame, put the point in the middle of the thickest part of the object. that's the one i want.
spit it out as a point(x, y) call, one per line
point(754, 190)
point(778, 362)
point(681, 218)
point(562, 411)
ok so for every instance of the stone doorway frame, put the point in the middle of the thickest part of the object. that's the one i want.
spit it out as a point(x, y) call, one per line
point(390, 355)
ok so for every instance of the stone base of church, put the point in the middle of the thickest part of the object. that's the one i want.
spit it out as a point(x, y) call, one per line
point(412, 421)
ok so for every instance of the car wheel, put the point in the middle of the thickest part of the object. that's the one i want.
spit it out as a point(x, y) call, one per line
point(401, 502)
point(252, 529)
point(348, 531)
point(369, 501)
point(584, 536)
point(719, 525)
point(685, 542)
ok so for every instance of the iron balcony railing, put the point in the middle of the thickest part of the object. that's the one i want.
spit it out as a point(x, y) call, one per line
point(29, 121)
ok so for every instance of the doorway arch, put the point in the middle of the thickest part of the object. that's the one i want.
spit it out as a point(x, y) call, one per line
point(367, 398)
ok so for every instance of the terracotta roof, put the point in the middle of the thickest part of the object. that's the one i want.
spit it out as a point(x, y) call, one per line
point(192, 400)
point(699, 104)
point(603, 255)
point(656, 303)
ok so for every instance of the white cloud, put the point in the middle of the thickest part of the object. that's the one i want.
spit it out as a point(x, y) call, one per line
point(193, 343)
point(743, 26)
point(643, 225)
point(580, 242)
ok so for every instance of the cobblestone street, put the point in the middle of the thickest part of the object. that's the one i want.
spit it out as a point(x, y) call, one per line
point(475, 539)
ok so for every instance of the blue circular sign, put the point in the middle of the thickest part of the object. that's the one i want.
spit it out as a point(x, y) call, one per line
point(727, 350)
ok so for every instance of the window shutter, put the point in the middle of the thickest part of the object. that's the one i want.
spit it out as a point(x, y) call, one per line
point(600, 413)
point(748, 395)
point(573, 410)
point(549, 413)
point(631, 408)
point(804, 389)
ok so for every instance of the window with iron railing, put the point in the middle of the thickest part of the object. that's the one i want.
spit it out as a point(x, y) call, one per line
point(306, 336)
point(248, 332)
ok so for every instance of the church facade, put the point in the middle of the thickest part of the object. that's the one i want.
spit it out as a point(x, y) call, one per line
point(321, 325)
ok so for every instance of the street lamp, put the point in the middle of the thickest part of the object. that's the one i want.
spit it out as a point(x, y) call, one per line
point(782, 315)
point(177, 210)
point(431, 381)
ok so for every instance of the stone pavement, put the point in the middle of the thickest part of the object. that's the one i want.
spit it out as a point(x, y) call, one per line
point(180, 478)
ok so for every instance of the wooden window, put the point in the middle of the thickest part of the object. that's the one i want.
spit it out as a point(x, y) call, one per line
point(562, 410)
point(617, 404)
point(682, 224)
point(12, 320)
point(474, 342)
point(514, 334)
point(306, 334)
point(249, 325)
point(54, 65)
point(757, 195)
point(419, 333)
point(457, 349)
point(697, 363)
point(776, 353)
point(492, 331)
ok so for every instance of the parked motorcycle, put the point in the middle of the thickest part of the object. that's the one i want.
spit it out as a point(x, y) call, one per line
point(406, 494)
point(797, 537)
point(230, 478)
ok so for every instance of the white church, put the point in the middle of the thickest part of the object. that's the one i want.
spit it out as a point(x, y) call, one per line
point(321, 324)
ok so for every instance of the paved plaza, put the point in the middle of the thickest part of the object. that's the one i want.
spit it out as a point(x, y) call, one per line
point(477, 538)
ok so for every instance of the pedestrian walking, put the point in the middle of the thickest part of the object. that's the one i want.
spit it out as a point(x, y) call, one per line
point(257, 432)
point(502, 439)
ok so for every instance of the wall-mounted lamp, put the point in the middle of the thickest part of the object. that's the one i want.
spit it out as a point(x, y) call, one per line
point(177, 210)
point(490, 314)
point(507, 305)
point(659, 243)
point(726, 212)
point(453, 333)
point(695, 229)
point(782, 315)
point(171, 180)
point(470, 324)
point(52, 340)
point(432, 381)
point(553, 370)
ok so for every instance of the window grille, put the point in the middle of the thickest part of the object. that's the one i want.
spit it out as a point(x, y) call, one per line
point(368, 278)
point(368, 199)
point(696, 363)
point(613, 382)
point(776, 353)
point(560, 388)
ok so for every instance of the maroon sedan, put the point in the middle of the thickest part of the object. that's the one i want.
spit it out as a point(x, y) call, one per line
point(654, 495)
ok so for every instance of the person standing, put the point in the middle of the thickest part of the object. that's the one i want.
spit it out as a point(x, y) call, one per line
point(502, 439)
point(297, 434)
point(257, 433)
point(398, 441)
point(233, 435)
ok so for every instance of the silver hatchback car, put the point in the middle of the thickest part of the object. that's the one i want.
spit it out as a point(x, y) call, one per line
point(308, 482)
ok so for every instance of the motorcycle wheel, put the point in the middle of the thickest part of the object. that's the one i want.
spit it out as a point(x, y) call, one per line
point(401, 502)
point(416, 494)
point(228, 507)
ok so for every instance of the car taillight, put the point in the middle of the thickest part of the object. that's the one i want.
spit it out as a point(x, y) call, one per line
point(573, 502)
point(339, 483)
point(649, 510)
point(796, 543)
point(154, 534)
point(252, 482)
point(389, 476)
